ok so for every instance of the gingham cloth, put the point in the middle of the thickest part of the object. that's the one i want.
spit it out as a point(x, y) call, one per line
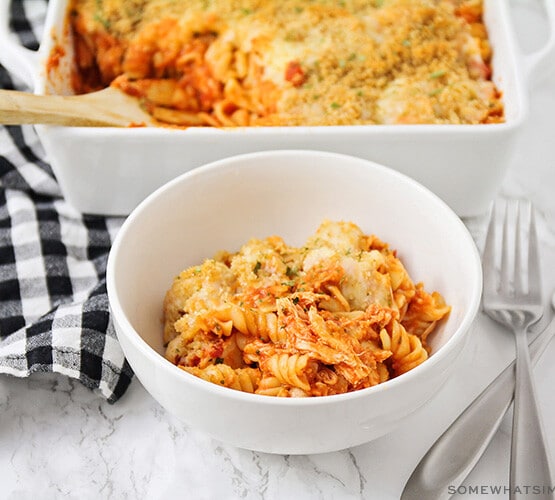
point(54, 314)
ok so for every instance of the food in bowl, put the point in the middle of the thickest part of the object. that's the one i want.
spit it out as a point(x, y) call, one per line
point(338, 314)
point(293, 62)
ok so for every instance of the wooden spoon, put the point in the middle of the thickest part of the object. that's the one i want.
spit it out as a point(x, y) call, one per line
point(109, 107)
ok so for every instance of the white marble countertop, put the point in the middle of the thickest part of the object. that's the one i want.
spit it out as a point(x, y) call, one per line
point(60, 440)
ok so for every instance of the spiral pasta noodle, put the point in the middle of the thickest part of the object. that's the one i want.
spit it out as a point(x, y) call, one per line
point(241, 379)
point(406, 349)
point(336, 315)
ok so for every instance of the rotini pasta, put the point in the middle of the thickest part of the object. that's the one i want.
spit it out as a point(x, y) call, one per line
point(336, 315)
point(229, 63)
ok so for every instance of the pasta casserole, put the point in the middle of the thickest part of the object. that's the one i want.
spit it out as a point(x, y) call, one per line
point(227, 63)
point(339, 314)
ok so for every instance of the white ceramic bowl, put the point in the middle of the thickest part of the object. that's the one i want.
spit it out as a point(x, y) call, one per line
point(109, 171)
point(287, 193)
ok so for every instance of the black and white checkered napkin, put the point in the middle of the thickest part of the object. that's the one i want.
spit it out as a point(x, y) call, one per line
point(54, 314)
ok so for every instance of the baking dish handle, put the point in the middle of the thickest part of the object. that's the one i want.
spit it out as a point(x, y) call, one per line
point(17, 59)
point(533, 62)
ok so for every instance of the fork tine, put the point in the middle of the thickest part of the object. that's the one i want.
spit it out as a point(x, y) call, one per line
point(534, 273)
point(488, 255)
point(505, 278)
point(518, 271)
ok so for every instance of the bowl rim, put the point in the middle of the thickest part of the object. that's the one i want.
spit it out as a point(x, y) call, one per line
point(133, 336)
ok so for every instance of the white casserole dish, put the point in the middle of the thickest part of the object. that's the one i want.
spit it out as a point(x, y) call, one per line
point(109, 171)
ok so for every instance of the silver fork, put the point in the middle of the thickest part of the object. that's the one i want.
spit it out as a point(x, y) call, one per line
point(512, 296)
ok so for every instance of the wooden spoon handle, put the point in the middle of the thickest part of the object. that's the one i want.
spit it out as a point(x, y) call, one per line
point(89, 110)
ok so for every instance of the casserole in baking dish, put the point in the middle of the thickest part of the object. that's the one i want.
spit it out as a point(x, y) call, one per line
point(290, 62)
point(109, 171)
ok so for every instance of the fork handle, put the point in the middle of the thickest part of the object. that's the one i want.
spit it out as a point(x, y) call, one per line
point(529, 457)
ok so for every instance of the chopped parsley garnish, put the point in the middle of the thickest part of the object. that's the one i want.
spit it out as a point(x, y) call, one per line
point(98, 15)
point(105, 23)
point(291, 272)
point(438, 74)
point(436, 91)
